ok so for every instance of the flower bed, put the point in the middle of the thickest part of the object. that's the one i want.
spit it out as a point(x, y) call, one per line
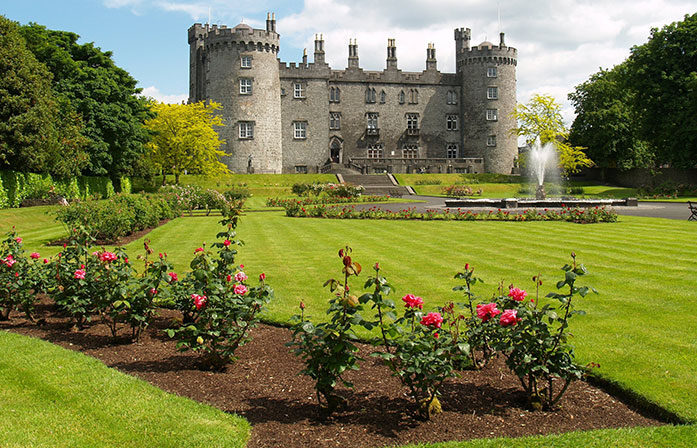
point(577, 215)
point(324, 200)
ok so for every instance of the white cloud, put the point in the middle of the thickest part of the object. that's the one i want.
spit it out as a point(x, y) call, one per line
point(154, 92)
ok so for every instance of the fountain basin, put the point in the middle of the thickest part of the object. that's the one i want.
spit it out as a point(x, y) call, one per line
point(539, 203)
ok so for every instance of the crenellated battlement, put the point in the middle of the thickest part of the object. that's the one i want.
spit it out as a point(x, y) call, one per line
point(220, 38)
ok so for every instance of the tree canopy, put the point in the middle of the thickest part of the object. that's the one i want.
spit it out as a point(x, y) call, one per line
point(38, 132)
point(541, 119)
point(642, 112)
point(607, 123)
point(104, 95)
point(185, 138)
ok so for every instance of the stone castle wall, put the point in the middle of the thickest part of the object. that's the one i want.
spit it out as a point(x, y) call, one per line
point(274, 109)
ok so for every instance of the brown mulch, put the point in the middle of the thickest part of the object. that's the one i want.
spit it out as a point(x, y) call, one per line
point(263, 386)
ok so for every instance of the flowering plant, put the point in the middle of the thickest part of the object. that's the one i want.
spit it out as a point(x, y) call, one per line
point(20, 277)
point(414, 346)
point(327, 349)
point(535, 342)
point(218, 308)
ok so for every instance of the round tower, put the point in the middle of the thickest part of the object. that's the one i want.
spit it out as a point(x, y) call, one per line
point(238, 68)
point(488, 101)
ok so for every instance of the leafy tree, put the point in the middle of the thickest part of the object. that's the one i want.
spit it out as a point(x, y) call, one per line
point(663, 75)
point(541, 119)
point(86, 78)
point(37, 131)
point(185, 138)
point(607, 123)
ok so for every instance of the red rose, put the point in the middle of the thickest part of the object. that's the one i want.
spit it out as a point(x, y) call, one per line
point(432, 320)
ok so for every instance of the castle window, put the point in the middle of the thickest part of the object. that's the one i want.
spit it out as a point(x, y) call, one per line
point(369, 95)
point(298, 90)
point(299, 130)
point(246, 130)
point(372, 120)
point(300, 169)
point(452, 150)
point(452, 97)
point(410, 151)
point(283, 91)
point(491, 140)
point(334, 95)
point(246, 62)
point(245, 86)
point(375, 151)
point(451, 122)
point(383, 97)
point(335, 120)
point(402, 97)
point(492, 93)
point(412, 121)
point(492, 114)
point(413, 96)
point(491, 72)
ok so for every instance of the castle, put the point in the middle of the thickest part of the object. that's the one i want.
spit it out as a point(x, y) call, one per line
point(300, 118)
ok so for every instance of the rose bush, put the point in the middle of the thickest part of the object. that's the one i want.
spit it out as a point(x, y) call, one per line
point(21, 278)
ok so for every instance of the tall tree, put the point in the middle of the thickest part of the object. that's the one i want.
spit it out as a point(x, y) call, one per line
point(37, 131)
point(663, 75)
point(607, 123)
point(541, 119)
point(185, 138)
point(102, 93)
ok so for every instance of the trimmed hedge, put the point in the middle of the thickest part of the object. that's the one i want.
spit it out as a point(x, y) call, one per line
point(16, 187)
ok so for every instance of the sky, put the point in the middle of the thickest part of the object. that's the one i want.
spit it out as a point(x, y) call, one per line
point(560, 42)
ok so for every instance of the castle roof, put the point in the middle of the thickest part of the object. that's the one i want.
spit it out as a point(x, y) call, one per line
point(242, 26)
point(486, 43)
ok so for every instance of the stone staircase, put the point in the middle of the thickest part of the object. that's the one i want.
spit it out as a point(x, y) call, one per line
point(377, 184)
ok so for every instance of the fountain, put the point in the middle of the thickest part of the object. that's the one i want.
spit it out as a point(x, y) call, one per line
point(538, 161)
point(542, 160)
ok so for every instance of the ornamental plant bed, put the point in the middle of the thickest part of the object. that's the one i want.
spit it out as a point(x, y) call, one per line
point(122, 241)
point(263, 386)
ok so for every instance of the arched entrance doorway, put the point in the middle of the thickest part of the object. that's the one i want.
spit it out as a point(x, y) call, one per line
point(336, 149)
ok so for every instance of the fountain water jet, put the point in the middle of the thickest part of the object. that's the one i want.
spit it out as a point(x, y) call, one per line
point(541, 156)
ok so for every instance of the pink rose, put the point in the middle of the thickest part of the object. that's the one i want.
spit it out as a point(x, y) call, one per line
point(35, 255)
point(45, 260)
point(412, 301)
point(198, 249)
point(153, 291)
point(509, 317)
point(517, 294)
point(95, 253)
point(467, 267)
point(199, 301)
point(125, 260)
point(486, 312)
point(432, 320)
point(107, 257)
point(172, 277)
point(240, 289)
point(19, 240)
point(9, 261)
point(228, 278)
point(262, 277)
point(16, 274)
point(226, 243)
point(240, 277)
point(79, 274)
point(241, 266)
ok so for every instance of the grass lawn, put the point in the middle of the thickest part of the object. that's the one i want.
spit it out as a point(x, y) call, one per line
point(53, 397)
point(640, 329)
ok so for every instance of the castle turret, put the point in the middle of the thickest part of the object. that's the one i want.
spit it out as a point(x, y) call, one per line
point(488, 76)
point(238, 68)
point(431, 62)
point(391, 55)
point(353, 54)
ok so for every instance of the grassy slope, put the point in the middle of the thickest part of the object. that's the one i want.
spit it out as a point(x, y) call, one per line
point(60, 398)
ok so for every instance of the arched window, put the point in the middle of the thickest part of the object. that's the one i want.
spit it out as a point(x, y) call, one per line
point(401, 97)
point(413, 96)
point(383, 97)
point(369, 95)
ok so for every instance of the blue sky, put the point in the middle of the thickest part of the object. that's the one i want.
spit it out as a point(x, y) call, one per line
point(560, 42)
